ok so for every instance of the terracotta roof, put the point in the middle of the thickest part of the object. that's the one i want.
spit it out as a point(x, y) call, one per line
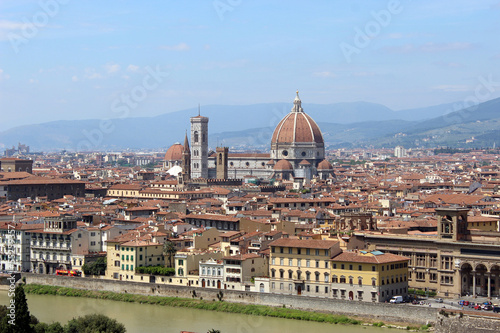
point(324, 165)
point(212, 217)
point(283, 165)
point(368, 258)
point(297, 127)
point(174, 153)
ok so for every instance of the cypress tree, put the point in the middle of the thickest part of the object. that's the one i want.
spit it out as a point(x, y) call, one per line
point(23, 318)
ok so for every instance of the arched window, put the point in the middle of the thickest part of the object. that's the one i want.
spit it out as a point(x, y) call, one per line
point(196, 136)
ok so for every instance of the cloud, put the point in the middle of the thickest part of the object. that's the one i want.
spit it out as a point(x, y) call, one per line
point(438, 47)
point(32, 81)
point(178, 47)
point(111, 68)
point(395, 35)
point(363, 74)
point(324, 74)
point(451, 88)
point(206, 46)
point(74, 78)
point(7, 27)
point(132, 68)
point(91, 74)
point(3, 76)
point(448, 64)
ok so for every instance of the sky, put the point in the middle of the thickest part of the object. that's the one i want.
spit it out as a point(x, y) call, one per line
point(68, 59)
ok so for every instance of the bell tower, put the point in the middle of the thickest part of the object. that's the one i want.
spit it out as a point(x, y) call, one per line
point(199, 146)
point(221, 161)
point(452, 223)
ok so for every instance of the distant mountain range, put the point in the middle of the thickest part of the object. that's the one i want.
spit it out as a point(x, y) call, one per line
point(357, 124)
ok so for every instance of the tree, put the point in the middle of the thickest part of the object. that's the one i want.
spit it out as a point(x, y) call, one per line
point(94, 323)
point(170, 251)
point(213, 330)
point(97, 267)
point(23, 318)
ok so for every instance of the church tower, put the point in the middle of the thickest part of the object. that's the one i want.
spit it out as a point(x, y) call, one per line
point(199, 144)
point(452, 223)
point(186, 161)
point(221, 161)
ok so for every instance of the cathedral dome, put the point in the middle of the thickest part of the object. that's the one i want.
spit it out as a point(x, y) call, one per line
point(283, 165)
point(324, 165)
point(297, 127)
point(174, 153)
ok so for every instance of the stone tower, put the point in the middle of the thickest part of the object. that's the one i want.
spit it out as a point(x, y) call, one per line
point(199, 144)
point(221, 161)
point(452, 223)
point(186, 161)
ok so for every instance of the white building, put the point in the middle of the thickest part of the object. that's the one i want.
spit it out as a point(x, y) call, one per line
point(211, 274)
point(52, 247)
point(15, 246)
point(400, 151)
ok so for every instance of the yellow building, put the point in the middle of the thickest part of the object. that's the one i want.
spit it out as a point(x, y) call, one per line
point(125, 256)
point(301, 267)
point(369, 276)
point(483, 223)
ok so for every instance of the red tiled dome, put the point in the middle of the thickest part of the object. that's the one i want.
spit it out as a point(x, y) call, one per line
point(283, 165)
point(324, 165)
point(174, 153)
point(297, 126)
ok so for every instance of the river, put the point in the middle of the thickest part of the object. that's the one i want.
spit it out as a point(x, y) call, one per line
point(146, 318)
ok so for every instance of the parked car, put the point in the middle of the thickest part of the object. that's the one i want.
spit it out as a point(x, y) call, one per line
point(496, 309)
point(477, 307)
point(487, 307)
point(439, 300)
point(396, 299)
point(463, 303)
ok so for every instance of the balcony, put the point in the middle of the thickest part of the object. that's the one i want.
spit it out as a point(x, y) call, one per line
point(43, 247)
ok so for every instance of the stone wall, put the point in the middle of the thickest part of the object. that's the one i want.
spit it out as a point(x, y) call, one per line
point(467, 324)
point(378, 311)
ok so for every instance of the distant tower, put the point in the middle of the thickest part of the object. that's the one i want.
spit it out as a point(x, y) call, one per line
point(199, 144)
point(221, 161)
point(186, 161)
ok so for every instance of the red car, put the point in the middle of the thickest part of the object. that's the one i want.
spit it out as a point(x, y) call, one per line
point(477, 307)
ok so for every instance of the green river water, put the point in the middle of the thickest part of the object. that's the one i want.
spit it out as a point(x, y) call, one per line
point(145, 318)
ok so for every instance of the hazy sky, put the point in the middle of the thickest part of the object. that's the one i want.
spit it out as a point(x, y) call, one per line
point(94, 59)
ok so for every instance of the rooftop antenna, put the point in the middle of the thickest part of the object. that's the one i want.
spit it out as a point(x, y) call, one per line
point(198, 109)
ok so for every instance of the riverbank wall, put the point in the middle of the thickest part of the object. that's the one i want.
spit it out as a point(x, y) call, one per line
point(376, 311)
point(456, 323)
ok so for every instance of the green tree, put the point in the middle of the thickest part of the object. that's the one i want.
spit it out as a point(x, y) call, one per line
point(55, 328)
point(213, 330)
point(170, 251)
point(23, 318)
point(94, 323)
point(97, 267)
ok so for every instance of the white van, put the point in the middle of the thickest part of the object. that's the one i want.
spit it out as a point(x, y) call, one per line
point(396, 299)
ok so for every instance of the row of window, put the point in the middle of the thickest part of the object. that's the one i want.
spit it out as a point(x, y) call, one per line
point(211, 271)
point(317, 252)
point(126, 267)
point(299, 262)
point(290, 287)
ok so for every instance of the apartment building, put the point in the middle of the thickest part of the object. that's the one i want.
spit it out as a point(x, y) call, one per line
point(301, 267)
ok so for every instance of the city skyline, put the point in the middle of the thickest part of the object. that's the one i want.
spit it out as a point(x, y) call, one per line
point(66, 60)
